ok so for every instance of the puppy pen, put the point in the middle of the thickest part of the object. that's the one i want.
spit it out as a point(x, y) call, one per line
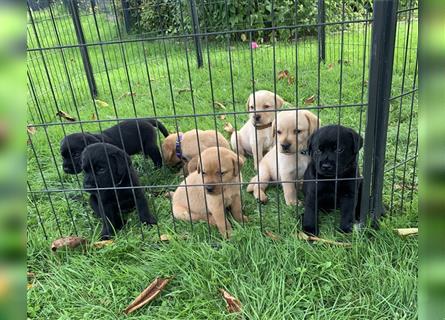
point(192, 64)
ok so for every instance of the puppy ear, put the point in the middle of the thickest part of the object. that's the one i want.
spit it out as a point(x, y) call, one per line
point(90, 139)
point(237, 164)
point(248, 101)
point(280, 102)
point(358, 141)
point(312, 119)
point(274, 128)
point(121, 160)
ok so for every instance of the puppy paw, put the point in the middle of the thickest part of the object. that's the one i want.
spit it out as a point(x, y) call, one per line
point(346, 229)
point(262, 198)
point(149, 221)
point(245, 218)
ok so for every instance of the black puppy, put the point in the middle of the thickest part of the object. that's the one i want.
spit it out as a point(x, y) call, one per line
point(137, 136)
point(106, 166)
point(327, 162)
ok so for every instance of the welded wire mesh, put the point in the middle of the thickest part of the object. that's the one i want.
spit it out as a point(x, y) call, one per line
point(155, 59)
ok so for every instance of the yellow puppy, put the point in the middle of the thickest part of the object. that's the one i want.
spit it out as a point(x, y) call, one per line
point(293, 130)
point(180, 146)
point(216, 195)
point(259, 121)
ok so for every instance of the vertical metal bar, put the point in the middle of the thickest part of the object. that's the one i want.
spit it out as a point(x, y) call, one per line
point(321, 16)
point(83, 49)
point(127, 15)
point(195, 24)
point(380, 77)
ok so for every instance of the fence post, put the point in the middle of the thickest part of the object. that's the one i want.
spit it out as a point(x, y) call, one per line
point(127, 15)
point(195, 23)
point(83, 48)
point(380, 77)
point(321, 31)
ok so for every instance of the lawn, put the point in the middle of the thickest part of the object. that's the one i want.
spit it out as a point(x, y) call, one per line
point(274, 279)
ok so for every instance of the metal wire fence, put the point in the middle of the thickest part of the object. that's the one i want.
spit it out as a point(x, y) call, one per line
point(92, 64)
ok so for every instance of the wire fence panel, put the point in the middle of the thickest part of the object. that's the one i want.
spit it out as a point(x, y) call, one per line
point(192, 65)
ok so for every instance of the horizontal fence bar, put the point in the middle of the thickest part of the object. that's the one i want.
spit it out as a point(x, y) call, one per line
point(49, 124)
point(202, 34)
point(404, 94)
point(170, 186)
point(407, 9)
point(402, 163)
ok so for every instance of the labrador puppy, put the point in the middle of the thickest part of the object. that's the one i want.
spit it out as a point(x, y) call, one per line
point(133, 136)
point(184, 147)
point(262, 105)
point(107, 166)
point(293, 129)
point(327, 163)
point(189, 202)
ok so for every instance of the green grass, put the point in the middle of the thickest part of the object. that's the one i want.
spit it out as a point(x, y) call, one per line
point(287, 279)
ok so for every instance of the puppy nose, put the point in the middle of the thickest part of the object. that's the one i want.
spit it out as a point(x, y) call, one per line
point(285, 146)
point(257, 118)
point(210, 188)
point(326, 166)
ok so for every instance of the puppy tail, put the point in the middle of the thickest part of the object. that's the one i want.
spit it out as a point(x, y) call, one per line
point(160, 126)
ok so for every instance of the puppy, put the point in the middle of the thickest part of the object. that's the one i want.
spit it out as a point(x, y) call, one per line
point(183, 147)
point(106, 166)
point(327, 162)
point(137, 136)
point(293, 130)
point(217, 196)
point(259, 121)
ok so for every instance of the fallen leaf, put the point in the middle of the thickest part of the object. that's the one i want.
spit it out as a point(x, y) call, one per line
point(283, 74)
point(310, 100)
point(303, 236)
point(220, 105)
point(272, 235)
point(151, 292)
point(184, 90)
point(222, 117)
point(330, 66)
point(407, 231)
point(31, 129)
point(70, 242)
point(228, 127)
point(127, 94)
point(101, 244)
point(290, 80)
point(165, 237)
point(65, 116)
point(243, 37)
point(101, 103)
point(93, 116)
point(232, 304)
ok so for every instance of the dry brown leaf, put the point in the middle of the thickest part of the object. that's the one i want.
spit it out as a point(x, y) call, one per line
point(70, 242)
point(290, 79)
point(407, 231)
point(184, 90)
point(330, 66)
point(101, 244)
point(272, 235)
point(165, 237)
point(283, 74)
point(303, 236)
point(93, 116)
point(101, 103)
point(243, 37)
point(228, 127)
point(310, 100)
point(31, 129)
point(232, 303)
point(127, 94)
point(65, 116)
point(220, 105)
point(151, 292)
point(222, 117)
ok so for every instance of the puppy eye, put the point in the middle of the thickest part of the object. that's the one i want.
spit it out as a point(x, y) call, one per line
point(101, 170)
point(279, 131)
point(297, 131)
point(318, 151)
point(222, 173)
point(340, 150)
point(203, 173)
point(266, 106)
point(252, 108)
